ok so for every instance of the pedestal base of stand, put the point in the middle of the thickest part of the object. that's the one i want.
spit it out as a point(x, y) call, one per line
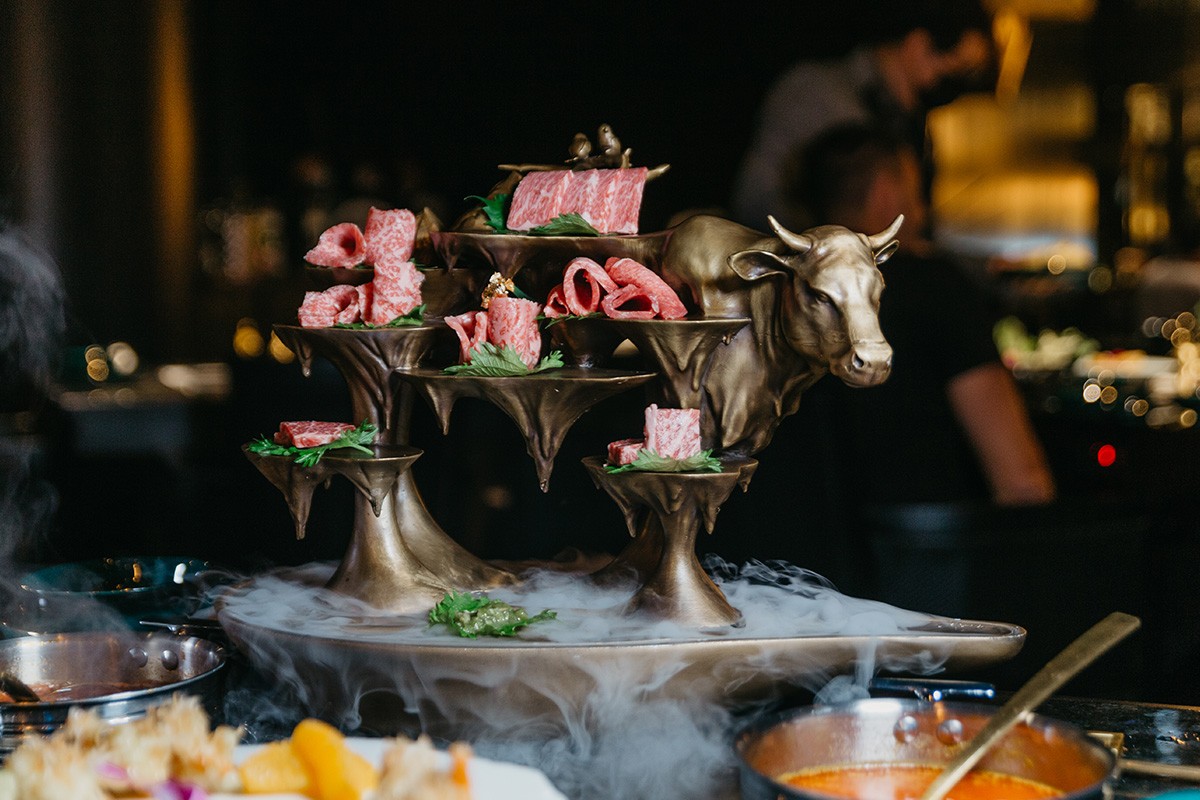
point(398, 560)
point(663, 554)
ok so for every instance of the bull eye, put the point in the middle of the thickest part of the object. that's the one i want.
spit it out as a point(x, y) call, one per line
point(821, 297)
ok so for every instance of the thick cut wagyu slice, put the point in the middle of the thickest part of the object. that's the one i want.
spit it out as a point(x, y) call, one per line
point(340, 246)
point(673, 432)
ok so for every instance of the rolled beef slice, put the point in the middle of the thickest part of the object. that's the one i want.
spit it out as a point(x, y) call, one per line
point(629, 302)
point(556, 303)
point(627, 272)
point(584, 285)
point(340, 246)
point(321, 309)
point(512, 322)
point(472, 329)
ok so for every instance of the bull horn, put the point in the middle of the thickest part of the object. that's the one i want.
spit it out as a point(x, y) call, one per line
point(880, 239)
point(797, 241)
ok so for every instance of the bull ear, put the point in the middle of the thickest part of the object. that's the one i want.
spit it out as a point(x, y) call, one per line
point(886, 252)
point(880, 239)
point(753, 265)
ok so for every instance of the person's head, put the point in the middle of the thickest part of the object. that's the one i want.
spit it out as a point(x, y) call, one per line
point(860, 177)
point(931, 50)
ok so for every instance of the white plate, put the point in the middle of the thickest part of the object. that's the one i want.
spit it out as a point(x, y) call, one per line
point(490, 780)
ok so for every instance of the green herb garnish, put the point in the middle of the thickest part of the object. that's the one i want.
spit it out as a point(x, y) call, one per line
point(357, 439)
point(570, 224)
point(477, 615)
point(413, 318)
point(648, 461)
point(549, 321)
point(493, 210)
point(490, 361)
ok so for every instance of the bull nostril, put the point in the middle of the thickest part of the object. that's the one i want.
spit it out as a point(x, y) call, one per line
point(858, 361)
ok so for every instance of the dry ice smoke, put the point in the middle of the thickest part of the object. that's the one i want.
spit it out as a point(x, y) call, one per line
point(32, 321)
point(653, 722)
point(31, 334)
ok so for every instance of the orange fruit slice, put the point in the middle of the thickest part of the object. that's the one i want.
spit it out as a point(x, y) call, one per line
point(275, 769)
point(337, 772)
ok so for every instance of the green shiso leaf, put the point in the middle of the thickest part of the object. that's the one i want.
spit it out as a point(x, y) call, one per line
point(570, 224)
point(493, 210)
point(648, 461)
point(490, 361)
point(357, 439)
point(471, 616)
point(414, 318)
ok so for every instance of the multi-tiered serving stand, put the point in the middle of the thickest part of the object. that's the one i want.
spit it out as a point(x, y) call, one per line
point(400, 562)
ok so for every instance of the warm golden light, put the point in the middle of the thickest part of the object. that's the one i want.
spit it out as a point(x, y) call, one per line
point(248, 342)
point(279, 351)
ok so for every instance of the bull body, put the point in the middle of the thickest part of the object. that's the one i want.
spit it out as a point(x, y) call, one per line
point(813, 302)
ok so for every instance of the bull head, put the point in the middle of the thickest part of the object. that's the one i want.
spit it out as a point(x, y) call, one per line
point(829, 305)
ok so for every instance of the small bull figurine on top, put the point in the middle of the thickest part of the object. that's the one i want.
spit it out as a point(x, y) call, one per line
point(813, 301)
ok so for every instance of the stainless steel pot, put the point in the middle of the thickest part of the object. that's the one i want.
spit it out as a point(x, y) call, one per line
point(888, 730)
point(131, 671)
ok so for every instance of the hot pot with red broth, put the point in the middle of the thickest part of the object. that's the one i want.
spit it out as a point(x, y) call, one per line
point(891, 749)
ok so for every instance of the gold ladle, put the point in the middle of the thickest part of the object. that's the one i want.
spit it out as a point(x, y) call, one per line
point(1064, 666)
point(17, 689)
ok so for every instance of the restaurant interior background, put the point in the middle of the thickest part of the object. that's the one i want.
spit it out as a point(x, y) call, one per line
point(174, 158)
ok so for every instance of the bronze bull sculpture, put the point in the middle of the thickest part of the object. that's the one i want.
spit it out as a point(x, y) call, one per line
point(813, 301)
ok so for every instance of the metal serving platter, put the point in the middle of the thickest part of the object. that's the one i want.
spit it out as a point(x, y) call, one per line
point(449, 686)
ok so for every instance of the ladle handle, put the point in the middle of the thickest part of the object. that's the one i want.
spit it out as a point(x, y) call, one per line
point(1064, 666)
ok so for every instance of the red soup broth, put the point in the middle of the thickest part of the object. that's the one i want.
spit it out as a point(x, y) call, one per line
point(909, 782)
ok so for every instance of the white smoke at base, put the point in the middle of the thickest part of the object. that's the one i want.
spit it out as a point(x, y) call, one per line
point(607, 705)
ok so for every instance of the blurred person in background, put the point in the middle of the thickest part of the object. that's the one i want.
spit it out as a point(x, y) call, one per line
point(912, 55)
point(950, 416)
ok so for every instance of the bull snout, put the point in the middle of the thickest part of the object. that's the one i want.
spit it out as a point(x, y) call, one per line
point(865, 364)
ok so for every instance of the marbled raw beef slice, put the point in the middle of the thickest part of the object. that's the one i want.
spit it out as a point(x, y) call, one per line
point(584, 285)
point(624, 451)
point(397, 291)
point(537, 199)
point(389, 236)
point(624, 200)
point(629, 302)
point(310, 433)
point(472, 330)
point(556, 303)
point(322, 309)
point(673, 432)
point(339, 246)
point(583, 197)
point(513, 323)
point(627, 272)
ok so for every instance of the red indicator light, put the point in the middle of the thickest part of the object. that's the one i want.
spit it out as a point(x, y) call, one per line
point(1106, 455)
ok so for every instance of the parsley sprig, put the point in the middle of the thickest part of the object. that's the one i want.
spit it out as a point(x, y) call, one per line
point(413, 318)
point(490, 361)
point(471, 616)
point(649, 461)
point(357, 439)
